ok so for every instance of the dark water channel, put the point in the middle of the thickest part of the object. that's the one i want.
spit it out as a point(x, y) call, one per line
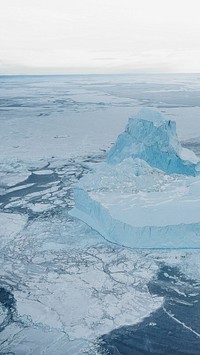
point(173, 329)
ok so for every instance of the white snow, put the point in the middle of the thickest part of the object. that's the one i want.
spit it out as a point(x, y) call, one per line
point(98, 290)
point(43, 172)
point(187, 154)
point(12, 172)
point(39, 207)
point(10, 225)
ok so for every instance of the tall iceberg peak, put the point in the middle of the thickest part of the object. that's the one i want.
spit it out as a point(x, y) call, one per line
point(149, 136)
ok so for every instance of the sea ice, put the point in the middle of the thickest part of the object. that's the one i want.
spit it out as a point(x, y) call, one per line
point(12, 172)
point(10, 225)
point(64, 280)
point(144, 195)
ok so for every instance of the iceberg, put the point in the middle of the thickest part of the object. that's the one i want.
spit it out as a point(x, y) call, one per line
point(150, 137)
point(147, 193)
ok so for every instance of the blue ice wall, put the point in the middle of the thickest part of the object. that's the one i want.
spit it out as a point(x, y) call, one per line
point(149, 136)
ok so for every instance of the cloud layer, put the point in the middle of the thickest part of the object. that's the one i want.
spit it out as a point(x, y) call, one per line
point(97, 36)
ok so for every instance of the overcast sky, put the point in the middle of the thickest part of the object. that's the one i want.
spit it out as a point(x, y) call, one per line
point(99, 36)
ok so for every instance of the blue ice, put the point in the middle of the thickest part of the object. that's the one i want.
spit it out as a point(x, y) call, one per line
point(149, 136)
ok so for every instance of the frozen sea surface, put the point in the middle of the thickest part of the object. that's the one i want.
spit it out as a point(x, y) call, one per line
point(63, 288)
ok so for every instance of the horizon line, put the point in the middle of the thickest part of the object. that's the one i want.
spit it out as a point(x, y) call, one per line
point(92, 74)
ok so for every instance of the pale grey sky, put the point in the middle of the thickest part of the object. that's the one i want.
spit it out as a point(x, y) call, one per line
point(99, 36)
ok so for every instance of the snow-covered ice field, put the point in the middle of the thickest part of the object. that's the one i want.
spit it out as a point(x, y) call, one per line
point(64, 289)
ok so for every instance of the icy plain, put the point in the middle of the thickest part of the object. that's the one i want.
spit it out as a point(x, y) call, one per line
point(62, 286)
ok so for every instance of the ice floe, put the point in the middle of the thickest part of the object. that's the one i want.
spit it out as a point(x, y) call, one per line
point(10, 225)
